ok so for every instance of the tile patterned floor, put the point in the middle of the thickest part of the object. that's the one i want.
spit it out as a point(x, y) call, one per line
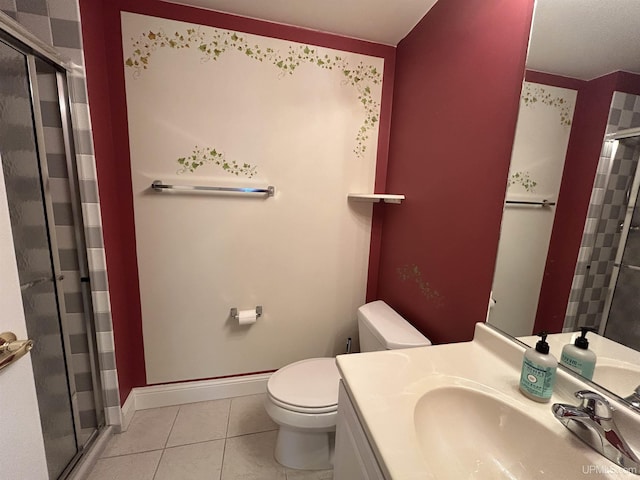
point(229, 439)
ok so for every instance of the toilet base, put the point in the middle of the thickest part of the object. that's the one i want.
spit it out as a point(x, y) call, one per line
point(304, 450)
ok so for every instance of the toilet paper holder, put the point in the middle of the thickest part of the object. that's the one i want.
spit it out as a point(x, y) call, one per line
point(236, 316)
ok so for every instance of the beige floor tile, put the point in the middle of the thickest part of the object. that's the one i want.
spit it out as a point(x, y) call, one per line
point(195, 434)
point(250, 457)
point(249, 416)
point(141, 466)
point(148, 430)
point(198, 461)
point(309, 474)
point(200, 422)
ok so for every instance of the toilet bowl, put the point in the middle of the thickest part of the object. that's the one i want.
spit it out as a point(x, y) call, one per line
point(302, 397)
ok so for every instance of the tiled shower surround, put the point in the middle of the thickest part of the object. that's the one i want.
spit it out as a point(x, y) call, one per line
point(57, 23)
point(601, 234)
point(622, 324)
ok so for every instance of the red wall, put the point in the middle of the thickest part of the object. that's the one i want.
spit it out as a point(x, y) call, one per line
point(458, 79)
point(105, 77)
point(554, 80)
point(583, 154)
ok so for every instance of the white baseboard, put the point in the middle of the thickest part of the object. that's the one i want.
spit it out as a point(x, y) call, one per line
point(128, 409)
point(155, 396)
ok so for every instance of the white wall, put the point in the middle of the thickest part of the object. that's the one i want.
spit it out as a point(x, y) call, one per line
point(302, 255)
point(539, 150)
point(21, 445)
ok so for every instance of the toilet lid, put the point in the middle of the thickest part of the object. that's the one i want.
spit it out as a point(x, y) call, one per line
point(311, 383)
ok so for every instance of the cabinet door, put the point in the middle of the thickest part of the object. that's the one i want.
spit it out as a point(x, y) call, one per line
point(354, 458)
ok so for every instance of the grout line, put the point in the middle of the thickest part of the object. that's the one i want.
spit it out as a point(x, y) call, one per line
point(224, 451)
point(175, 419)
point(131, 453)
point(253, 433)
point(155, 472)
point(224, 447)
point(194, 443)
point(173, 424)
point(226, 432)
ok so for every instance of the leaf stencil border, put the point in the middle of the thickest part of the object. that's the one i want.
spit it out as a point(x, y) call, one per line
point(533, 94)
point(523, 179)
point(412, 272)
point(214, 44)
point(200, 156)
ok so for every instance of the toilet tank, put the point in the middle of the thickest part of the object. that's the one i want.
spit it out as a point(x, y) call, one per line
point(381, 328)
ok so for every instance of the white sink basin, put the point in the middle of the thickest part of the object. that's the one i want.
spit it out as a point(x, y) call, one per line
point(469, 434)
point(620, 377)
point(454, 412)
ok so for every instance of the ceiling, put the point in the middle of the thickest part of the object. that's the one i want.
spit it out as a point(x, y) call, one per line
point(582, 39)
point(585, 39)
point(380, 21)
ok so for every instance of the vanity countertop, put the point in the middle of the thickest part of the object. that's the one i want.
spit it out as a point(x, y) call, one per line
point(387, 389)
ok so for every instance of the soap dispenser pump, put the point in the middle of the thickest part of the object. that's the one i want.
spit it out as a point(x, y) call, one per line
point(578, 357)
point(538, 371)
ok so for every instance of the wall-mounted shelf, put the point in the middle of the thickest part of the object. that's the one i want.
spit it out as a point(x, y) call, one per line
point(375, 197)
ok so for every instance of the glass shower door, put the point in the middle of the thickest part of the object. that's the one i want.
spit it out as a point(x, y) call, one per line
point(622, 320)
point(37, 265)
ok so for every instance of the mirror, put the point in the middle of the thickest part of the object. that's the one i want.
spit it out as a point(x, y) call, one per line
point(567, 106)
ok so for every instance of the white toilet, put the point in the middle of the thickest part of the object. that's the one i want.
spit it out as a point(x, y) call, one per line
point(303, 397)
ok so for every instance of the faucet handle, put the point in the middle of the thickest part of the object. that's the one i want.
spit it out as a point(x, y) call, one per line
point(595, 405)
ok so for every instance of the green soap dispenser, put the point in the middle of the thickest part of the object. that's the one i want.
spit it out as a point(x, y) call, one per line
point(578, 357)
point(538, 371)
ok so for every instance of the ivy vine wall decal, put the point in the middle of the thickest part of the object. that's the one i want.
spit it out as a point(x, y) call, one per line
point(522, 178)
point(532, 95)
point(200, 156)
point(412, 273)
point(213, 43)
point(554, 100)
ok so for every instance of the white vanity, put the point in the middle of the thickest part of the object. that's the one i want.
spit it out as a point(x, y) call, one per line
point(454, 411)
point(354, 458)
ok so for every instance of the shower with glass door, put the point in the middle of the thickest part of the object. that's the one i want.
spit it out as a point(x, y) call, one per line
point(40, 172)
point(608, 275)
point(622, 308)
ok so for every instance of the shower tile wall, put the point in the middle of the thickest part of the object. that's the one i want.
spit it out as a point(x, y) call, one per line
point(57, 23)
point(601, 236)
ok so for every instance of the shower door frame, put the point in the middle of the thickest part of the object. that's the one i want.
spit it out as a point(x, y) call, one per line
point(33, 49)
point(81, 246)
point(624, 234)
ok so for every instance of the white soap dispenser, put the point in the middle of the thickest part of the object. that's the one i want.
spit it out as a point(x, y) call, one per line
point(578, 357)
point(538, 371)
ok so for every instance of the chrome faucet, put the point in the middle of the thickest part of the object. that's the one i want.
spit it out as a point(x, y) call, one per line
point(634, 398)
point(592, 422)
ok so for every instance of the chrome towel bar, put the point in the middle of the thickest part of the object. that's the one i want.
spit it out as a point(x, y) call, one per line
point(542, 203)
point(158, 186)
